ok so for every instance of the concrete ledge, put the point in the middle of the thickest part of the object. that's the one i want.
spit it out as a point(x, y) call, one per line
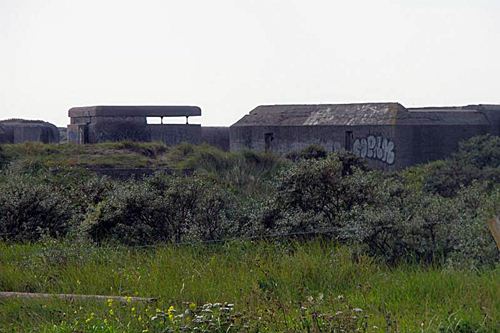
point(135, 111)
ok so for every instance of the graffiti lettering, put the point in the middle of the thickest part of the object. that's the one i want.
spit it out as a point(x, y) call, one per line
point(337, 147)
point(375, 148)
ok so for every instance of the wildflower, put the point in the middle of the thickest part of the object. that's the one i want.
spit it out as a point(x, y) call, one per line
point(90, 318)
point(170, 312)
point(111, 312)
point(129, 299)
point(110, 302)
point(192, 306)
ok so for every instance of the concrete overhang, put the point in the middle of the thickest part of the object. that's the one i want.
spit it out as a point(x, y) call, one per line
point(135, 111)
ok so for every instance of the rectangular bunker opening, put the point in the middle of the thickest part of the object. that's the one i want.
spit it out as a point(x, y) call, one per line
point(348, 140)
point(268, 139)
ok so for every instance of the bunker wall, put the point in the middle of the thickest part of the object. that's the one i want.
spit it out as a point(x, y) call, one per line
point(173, 134)
point(384, 146)
point(26, 131)
point(216, 136)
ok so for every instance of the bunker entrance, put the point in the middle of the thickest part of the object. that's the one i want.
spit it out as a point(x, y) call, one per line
point(83, 134)
point(268, 139)
point(348, 140)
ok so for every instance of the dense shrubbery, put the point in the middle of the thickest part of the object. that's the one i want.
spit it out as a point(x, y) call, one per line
point(425, 227)
point(32, 210)
point(477, 159)
point(3, 159)
point(162, 209)
point(433, 213)
point(313, 152)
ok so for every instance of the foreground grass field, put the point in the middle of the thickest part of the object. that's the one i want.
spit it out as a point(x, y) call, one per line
point(261, 286)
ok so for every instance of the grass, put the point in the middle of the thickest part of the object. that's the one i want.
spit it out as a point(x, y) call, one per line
point(112, 154)
point(129, 154)
point(245, 171)
point(276, 282)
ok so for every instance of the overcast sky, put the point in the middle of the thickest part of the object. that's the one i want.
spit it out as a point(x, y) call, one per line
point(228, 56)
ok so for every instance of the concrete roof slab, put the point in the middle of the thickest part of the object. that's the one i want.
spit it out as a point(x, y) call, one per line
point(135, 111)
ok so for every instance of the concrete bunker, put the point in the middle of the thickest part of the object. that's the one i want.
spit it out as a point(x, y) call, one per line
point(118, 123)
point(22, 130)
point(388, 135)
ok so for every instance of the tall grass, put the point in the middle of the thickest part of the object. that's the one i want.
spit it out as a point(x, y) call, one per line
point(258, 277)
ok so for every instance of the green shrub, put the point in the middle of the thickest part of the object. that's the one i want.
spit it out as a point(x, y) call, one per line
point(131, 214)
point(3, 158)
point(31, 210)
point(319, 194)
point(480, 152)
point(163, 209)
point(199, 207)
point(477, 159)
point(406, 225)
point(312, 152)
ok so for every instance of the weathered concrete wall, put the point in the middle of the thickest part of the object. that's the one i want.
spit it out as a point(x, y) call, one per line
point(18, 131)
point(428, 143)
point(493, 115)
point(3, 135)
point(95, 124)
point(173, 134)
point(385, 147)
point(216, 136)
point(102, 129)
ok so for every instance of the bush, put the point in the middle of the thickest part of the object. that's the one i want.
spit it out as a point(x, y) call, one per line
point(319, 194)
point(163, 209)
point(3, 159)
point(480, 152)
point(312, 152)
point(406, 225)
point(31, 210)
point(477, 159)
point(131, 214)
point(199, 207)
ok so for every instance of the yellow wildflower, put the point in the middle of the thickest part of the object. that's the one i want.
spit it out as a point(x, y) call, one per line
point(170, 312)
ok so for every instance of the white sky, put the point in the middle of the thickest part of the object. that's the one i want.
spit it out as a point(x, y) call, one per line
point(228, 56)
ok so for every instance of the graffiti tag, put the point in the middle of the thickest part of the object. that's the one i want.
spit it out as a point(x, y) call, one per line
point(375, 148)
point(337, 147)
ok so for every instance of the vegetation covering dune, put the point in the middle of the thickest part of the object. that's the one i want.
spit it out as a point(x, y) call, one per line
point(311, 242)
